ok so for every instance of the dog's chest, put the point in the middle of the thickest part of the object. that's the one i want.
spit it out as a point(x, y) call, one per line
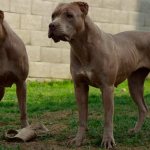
point(86, 72)
point(7, 75)
point(89, 74)
point(7, 79)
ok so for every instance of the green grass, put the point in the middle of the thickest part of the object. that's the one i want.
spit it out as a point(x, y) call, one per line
point(53, 103)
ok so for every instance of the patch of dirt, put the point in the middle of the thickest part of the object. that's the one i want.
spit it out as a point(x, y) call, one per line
point(131, 148)
point(56, 129)
point(58, 115)
point(3, 124)
point(51, 117)
point(51, 145)
point(54, 121)
point(57, 123)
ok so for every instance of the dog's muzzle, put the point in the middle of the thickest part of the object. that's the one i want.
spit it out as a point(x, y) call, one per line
point(55, 35)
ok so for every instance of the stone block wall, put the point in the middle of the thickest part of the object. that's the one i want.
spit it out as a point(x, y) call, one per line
point(30, 19)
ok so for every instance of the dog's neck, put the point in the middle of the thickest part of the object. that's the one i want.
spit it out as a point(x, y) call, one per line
point(2, 34)
point(83, 44)
point(85, 34)
point(10, 35)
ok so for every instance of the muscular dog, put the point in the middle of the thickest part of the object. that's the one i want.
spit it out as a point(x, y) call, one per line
point(101, 60)
point(13, 65)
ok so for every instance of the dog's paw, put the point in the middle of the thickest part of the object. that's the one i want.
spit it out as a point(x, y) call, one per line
point(79, 138)
point(133, 131)
point(108, 142)
point(75, 142)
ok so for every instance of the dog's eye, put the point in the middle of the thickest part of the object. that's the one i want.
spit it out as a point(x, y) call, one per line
point(70, 16)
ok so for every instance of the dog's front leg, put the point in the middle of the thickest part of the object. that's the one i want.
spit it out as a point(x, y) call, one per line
point(108, 102)
point(21, 94)
point(2, 91)
point(81, 93)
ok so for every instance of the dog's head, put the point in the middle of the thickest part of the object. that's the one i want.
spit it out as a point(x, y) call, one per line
point(67, 21)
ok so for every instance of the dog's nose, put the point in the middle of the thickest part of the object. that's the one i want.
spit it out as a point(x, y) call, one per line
point(52, 26)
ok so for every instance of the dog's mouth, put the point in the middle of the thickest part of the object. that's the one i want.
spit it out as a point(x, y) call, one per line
point(57, 38)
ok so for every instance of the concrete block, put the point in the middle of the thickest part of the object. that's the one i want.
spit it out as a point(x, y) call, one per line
point(55, 55)
point(40, 38)
point(109, 28)
point(25, 35)
point(115, 28)
point(5, 5)
point(147, 19)
point(13, 20)
point(144, 6)
point(20, 6)
point(42, 79)
point(58, 1)
point(127, 28)
point(136, 18)
point(60, 71)
point(106, 27)
point(31, 22)
point(49, 70)
point(33, 53)
point(65, 58)
point(52, 55)
point(100, 14)
point(146, 28)
point(45, 22)
point(96, 3)
point(112, 4)
point(39, 70)
point(130, 5)
point(120, 17)
point(44, 8)
point(61, 44)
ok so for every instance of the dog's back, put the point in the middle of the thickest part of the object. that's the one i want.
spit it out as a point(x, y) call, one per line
point(139, 38)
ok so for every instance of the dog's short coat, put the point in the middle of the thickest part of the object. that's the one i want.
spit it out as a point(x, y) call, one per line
point(13, 65)
point(102, 60)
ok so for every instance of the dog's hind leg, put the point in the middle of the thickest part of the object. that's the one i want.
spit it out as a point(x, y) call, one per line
point(136, 88)
point(21, 94)
point(2, 92)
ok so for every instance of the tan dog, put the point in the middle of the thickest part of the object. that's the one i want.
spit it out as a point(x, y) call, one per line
point(101, 60)
point(13, 65)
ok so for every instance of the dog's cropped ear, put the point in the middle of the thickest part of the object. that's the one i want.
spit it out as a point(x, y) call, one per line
point(83, 6)
point(1, 15)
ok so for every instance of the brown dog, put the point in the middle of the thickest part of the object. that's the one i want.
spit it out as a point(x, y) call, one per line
point(103, 61)
point(13, 65)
